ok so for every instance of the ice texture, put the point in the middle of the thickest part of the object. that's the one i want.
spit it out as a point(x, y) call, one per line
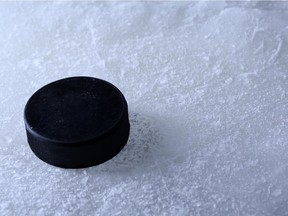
point(206, 84)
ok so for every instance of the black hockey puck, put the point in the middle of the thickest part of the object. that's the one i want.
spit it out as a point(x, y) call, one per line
point(77, 122)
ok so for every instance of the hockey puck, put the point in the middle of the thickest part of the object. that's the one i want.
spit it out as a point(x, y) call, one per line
point(77, 122)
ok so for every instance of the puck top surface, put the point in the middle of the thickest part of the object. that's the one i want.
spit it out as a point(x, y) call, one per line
point(74, 110)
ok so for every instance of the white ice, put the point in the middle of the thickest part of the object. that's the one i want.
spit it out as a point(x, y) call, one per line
point(206, 84)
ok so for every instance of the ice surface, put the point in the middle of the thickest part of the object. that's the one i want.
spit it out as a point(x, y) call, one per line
point(206, 84)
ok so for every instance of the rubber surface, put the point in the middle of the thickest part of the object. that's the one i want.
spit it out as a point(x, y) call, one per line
point(77, 122)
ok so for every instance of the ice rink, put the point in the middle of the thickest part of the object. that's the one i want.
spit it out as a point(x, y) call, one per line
point(206, 84)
